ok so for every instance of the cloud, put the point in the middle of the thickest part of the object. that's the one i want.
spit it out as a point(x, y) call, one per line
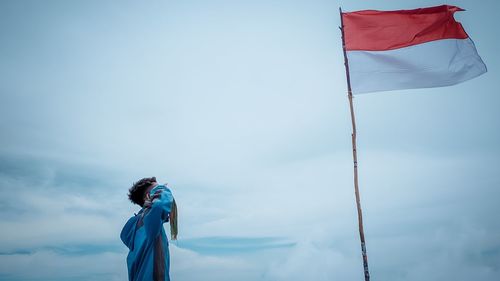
point(191, 266)
point(46, 204)
point(278, 202)
point(48, 265)
point(316, 257)
point(458, 252)
point(57, 215)
point(232, 245)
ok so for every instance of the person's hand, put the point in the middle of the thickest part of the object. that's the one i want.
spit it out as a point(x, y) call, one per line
point(156, 195)
point(148, 201)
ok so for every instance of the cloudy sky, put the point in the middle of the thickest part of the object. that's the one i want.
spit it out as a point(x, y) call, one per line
point(241, 107)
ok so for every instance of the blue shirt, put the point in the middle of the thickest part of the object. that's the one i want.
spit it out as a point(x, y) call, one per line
point(148, 258)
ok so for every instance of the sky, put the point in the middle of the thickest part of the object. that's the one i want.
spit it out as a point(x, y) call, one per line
point(241, 107)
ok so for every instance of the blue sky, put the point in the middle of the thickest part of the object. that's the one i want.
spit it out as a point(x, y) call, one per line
point(241, 107)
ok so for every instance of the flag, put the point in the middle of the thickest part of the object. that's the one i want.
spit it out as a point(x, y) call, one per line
point(408, 49)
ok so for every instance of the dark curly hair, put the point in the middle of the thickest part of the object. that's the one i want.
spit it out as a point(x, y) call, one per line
point(136, 192)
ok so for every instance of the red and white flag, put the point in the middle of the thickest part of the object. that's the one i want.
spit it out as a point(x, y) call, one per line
point(408, 49)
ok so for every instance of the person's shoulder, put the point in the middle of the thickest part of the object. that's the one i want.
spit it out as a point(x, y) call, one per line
point(132, 221)
point(132, 218)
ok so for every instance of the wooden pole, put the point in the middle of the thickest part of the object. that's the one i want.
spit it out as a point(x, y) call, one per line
point(354, 156)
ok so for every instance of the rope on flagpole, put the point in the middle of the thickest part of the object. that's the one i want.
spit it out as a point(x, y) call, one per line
point(354, 155)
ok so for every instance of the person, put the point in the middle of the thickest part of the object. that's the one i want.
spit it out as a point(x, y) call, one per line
point(148, 258)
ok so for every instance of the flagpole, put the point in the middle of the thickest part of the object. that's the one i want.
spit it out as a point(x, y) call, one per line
point(354, 155)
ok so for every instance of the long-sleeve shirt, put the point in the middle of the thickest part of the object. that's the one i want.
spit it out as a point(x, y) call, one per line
point(149, 258)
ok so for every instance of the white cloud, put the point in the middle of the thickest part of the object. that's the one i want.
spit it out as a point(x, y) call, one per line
point(190, 266)
point(47, 265)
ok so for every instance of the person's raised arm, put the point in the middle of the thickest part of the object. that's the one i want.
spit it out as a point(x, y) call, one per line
point(160, 209)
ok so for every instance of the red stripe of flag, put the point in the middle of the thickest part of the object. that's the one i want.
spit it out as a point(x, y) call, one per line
point(372, 30)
